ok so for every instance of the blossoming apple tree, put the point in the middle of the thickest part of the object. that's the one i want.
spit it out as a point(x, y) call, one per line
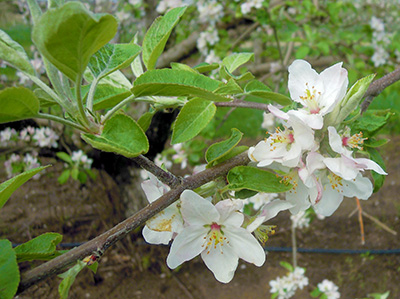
point(315, 158)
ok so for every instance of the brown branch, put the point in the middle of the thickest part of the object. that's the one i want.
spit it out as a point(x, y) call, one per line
point(378, 86)
point(100, 244)
point(166, 177)
point(243, 104)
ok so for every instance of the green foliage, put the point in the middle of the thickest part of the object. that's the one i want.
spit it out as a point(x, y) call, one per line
point(370, 122)
point(193, 117)
point(121, 135)
point(9, 272)
point(251, 178)
point(17, 103)
point(69, 278)
point(261, 91)
point(42, 247)
point(7, 188)
point(14, 54)
point(169, 82)
point(233, 61)
point(158, 34)
point(220, 149)
point(68, 36)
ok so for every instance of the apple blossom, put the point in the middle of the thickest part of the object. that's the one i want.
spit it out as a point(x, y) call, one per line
point(215, 232)
point(161, 228)
point(318, 93)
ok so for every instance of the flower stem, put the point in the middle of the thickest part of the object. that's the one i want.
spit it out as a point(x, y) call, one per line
point(294, 246)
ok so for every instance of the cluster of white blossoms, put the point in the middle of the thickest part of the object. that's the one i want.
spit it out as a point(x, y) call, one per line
point(318, 158)
point(248, 5)
point(380, 42)
point(41, 137)
point(330, 290)
point(81, 159)
point(286, 286)
point(220, 233)
point(17, 164)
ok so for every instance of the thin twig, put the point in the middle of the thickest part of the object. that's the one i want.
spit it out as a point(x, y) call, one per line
point(100, 244)
point(244, 34)
point(379, 223)
point(360, 220)
point(243, 104)
point(294, 246)
point(166, 177)
point(378, 86)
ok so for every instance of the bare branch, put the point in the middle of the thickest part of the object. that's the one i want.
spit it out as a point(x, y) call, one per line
point(166, 177)
point(378, 86)
point(100, 244)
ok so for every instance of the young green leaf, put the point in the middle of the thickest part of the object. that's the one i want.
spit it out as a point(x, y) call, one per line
point(168, 82)
point(219, 149)
point(233, 61)
point(9, 272)
point(156, 37)
point(107, 96)
point(145, 120)
point(370, 122)
point(7, 188)
point(69, 35)
point(121, 135)
point(65, 157)
point(69, 278)
point(232, 153)
point(257, 89)
point(227, 75)
point(193, 118)
point(14, 54)
point(112, 57)
point(64, 176)
point(252, 178)
point(230, 88)
point(39, 248)
point(206, 67)
point(17, 103)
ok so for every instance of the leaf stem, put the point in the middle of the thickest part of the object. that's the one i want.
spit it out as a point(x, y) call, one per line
point(62, 121)
point(89, 101)
point(79, 101)
point(121, 104)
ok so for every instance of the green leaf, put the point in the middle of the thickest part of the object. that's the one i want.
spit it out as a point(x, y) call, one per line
point(68, 36)
point(259, 90)
point(232, 153)
point(378, 178)
point(251, 178)
point(244, 193)
point(112, 57)
point(371, 122)
point(287, 266)
point(156, 37)
point(17, 103)
point(219, 149)
point(168, 82)
point(145, 120)
point(183, 67)
point(45, 100)
point(107, 96)
point(7, 188)
point(64, 176)
point(14, 54)
point(9, 272)
point(380, 295)
point(372, 142)
point(225, 74)
point(233, 61)
point(302, 52)
point(65, 157)
point(193, 118)
point(206, 67)
point(54, 3)
point(69, 278)
point(93, 267)
point(74, 173)
point(230, 88)
point(121, 135)
point(39, 248)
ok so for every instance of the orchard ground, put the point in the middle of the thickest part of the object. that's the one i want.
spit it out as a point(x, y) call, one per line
point(133, 269)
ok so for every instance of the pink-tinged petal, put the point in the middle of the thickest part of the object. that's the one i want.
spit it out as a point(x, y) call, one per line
point(300, 73)
point(302, 133)
point(245, 245)
point(196, 210)
point(154, 237)
point(335, 82)
point(167, 220)
point(363, 163)
point(335, 141)
point(343, 167)
point(188, 244)
point(314, 121)
point(278, 113)
point(330, 201)
point(360, 187)
point(223, 264)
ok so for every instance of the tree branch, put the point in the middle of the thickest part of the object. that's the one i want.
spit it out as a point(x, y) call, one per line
point(243, 104)
point(378, 86)
point(100, 244)
point(166, 177)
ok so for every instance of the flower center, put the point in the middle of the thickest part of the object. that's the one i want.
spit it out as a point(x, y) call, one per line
point(311, 99)
point(355, 141)
point(214, 238)
point(336, 182)
point(280, 137)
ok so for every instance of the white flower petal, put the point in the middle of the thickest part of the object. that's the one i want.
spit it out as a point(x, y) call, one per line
point(196, 210)
point(300, 73)
point(335, 141)
point(330, 201)
point(188, 244)
point(278, 113)
point(167, 220)
point(228, 212)
point(154, 237)
point(343, 167)
point(223, 265)
point(245, 245)
point(363, 163)
point(270, 210)
point(360, 187)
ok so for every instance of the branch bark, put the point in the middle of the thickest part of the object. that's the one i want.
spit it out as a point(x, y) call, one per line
point(378, 86)
point(100, 244)
point(243, 104)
